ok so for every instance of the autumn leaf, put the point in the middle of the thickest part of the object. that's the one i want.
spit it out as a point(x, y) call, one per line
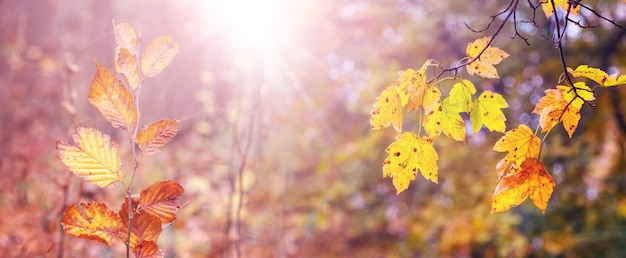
point(158, 55)
point(443, 119)
point(563, 104)
point(416, 86)
point(153, 137)
point(484, 65)
point(93, 221)
point(486, 110)
point(408, 154)
point(160, 200)
point(148, 249)
point(546, 5)
point(532, 181)
point(431, 98)
point(461, 96)
point(125, 37)
point(94, 157)
point(112, 99)
point(387, 110)
point(145, 226)
point(126, 64)
point(520, 144)
point(597, 75)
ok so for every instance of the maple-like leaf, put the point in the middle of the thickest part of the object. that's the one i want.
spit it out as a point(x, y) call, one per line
point(153, 137)
point(387, 110)
point(112, 99)
point(125, 37)
point(158, 55)
point(126, 64)
point(563, 105)
point(160, 200)
point(597, 75)
point(93, 221)
point(431, 98)
point(614, 80)
point(484, 65)
point(145, 226)
point(532, 180)
point(520, 143)
point(460, 96)
point(546, 5)
point(444, 118)
point(94, 157)
point(486, 110)
point(408, 154)
point(148, 249)
point(416, 86)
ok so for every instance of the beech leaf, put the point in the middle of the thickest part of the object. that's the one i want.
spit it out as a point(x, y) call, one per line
point(158, 55)
point(408, 154)
point(126, 64)
point(532, 180)
point(160, 200)
point(125, 37)
point(148, 249)
point(153, 137)
point(94, 157)
point(93, 221)
point(112, 99)
point(145, 226)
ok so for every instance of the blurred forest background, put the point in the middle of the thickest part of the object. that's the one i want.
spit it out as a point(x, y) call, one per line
point(300, 98)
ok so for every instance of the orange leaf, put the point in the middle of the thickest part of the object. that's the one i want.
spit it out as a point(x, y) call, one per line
point(531, 181)
point(563, 104)
point(148, 249)
point(92, 221)
point(158, 55)
point(126, 64)
point(125, 37)
point(94, 158)
point(153, 137)
point(160, 200)
point(563, 4)
point(145, 227)
point(484, 65)
point(112, 99)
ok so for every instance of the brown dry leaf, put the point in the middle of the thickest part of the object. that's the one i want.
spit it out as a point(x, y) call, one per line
point(148, 249)
point(160, 200)
point(158, 55)
point(126, 64)
point(94, 158)
point(93, 221)
point(112, 99)
point(532, 181)
point(153, 137)
point(145, 227)
point(125, 37)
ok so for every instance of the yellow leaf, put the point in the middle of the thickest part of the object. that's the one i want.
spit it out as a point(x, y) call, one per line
point(442, 119)
point(92, 221)
point(461, 96)
point(594, 74)
point(388, 109)
point(416, 86)
point(408, 154)
point(160, 200)
point(126, 64)
point(552, 106)
point(484, 65)
point(431, 98)
point(153, 137)
point(532, 181)
point(520, 143)
point(112, 99)
point(613, 80)
point(158, 55)
point(486, 110)
point(125, 37)
point(94, 158)
point(546, 5)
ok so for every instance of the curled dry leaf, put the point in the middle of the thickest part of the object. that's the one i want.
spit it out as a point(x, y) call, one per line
point(153, 137)
point(125, 37)
point(94, 158)
point(112, 99)
point(148, 249)
point(158, 55)
point(93, 221)
point(160, 200)
point(126, 64)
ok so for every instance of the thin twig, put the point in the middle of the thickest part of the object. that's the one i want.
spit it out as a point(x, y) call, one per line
point(599, 15)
